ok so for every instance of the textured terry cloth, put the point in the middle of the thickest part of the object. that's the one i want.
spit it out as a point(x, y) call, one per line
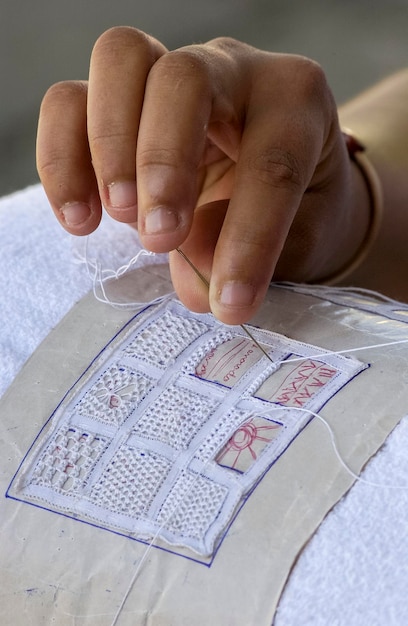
point(354, 571)
point(41, 277)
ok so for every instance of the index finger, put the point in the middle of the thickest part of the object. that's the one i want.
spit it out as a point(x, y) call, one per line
point(184, 94)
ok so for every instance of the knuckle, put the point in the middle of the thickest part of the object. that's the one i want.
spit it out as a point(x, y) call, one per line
point(227, 44)
point(188, 63)
point(100, 136)
point(51, 166)
point(274, 167)
point(50, 150)
point(311, 79)
point(167, 157)
point(315, 77)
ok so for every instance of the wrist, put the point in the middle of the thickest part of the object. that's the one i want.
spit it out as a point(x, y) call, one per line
point(366, 190)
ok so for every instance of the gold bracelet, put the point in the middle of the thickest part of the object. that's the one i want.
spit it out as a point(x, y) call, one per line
point(357, 154)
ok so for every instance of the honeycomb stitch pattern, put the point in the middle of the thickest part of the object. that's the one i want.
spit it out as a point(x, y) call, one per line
point(165, 338)
point(115, 492)
point(176, 417)
point(191, 506)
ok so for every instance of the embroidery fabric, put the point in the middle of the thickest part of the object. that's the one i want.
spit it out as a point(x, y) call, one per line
point(170, 433)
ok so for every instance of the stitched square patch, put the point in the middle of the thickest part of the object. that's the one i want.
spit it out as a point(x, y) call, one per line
point(167, 435)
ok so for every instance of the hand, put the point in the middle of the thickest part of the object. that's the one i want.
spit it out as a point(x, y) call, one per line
point(232, 153)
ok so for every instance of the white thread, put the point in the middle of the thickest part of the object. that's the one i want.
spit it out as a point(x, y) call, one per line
point(325, 289)
point(344, 351)
point(100, 277)
point(336, 450)
point(145, 554)
point(151, 544)
point(362, 291)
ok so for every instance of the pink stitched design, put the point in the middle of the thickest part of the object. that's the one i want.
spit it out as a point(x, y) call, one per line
point(227, 362)
point(300, 385)
point(114, 395)
point(221, 432)
point(247, 443)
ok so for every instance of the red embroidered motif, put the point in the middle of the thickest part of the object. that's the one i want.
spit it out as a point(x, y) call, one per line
point(302, 383)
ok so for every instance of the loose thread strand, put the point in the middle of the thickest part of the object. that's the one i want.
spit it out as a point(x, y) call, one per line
point(342, 462)
point(344, 351)
point(149, 547)
point(101, 277)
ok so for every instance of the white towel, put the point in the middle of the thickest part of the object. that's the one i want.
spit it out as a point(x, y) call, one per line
point(354, 571)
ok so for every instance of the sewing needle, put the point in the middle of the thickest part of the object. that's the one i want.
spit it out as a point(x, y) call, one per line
point(207, 284)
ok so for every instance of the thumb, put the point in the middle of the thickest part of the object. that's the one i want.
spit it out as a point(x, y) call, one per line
point(199, 249)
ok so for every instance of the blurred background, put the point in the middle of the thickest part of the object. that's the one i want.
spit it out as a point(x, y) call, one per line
point(43, 41)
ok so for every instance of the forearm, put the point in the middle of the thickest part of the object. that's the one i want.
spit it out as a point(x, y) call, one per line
point(379, 118)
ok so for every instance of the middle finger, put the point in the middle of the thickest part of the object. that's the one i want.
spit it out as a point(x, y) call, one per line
point(120, 62)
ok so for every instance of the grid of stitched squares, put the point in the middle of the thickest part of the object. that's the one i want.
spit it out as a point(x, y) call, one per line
point(68, 459)
point(165, 338)
point(175, 417)
point(114, 395)
point(192, 505)
point(130, 482)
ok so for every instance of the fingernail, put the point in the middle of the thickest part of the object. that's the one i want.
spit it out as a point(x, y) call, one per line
point(75, 213)
point(122, 195)
point(237, 294)
point(161, 220)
